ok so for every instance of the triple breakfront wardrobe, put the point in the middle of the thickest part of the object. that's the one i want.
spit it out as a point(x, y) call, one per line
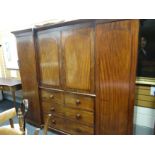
point(82, 72)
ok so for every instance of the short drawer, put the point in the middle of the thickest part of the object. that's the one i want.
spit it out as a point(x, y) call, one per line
point(79, 101)
point(51, 96)
point(80, 116)
point(75, 128)
point(52, 108)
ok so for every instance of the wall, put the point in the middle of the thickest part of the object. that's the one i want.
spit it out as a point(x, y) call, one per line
point(4, 72)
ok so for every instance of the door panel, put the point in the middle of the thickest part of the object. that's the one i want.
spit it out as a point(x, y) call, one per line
point(78, 51)
point(114, 49)
point(27, 65)
point(48, 54)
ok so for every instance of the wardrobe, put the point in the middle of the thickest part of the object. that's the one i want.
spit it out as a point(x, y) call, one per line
point(82, 72)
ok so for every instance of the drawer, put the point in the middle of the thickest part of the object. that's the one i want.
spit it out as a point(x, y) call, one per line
point(51, 96)
point(75, 128)
point(80, 116)
point(58, 123)
point(79, 101)
point(52, 108)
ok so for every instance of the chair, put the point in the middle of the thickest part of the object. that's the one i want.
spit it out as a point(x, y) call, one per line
point(8, 115)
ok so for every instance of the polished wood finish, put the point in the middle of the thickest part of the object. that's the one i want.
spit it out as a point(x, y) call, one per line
point(28, 73)
point(86, 74)
point(48, 55)
point(52, 108)
point(87, 118)
point(51, 96)
point(75, 128)
point(78, 51)
point(79, 102)
point(116, 62)
point(68, 126)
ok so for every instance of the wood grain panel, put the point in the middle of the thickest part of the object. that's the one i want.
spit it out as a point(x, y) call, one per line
point(75, 128)
point(79, 102)
point(80, 116)
point(52, 96)
point(53, 108)
point(48, 54)
point(28, 73)
point(114, 59)
point(78, 51)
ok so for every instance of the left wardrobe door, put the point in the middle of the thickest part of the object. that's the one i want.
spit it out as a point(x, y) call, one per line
point(48, 57)
point(28, 73)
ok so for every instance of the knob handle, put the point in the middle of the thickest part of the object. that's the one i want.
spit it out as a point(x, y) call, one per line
point(54, 121)
point(52, 109)
point(78, 116)
point(77, 102)
point(52, 96)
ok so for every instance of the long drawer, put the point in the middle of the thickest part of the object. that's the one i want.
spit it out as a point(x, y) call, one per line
point(68, 126)
point(79, 102)
point(74, 128)
point(52, 96)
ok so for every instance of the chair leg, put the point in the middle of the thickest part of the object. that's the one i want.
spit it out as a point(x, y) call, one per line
point(21, 120)
point(36, 132)
point(46, 124)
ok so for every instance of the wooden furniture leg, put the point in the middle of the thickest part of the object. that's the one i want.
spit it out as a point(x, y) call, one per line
point(14, 97)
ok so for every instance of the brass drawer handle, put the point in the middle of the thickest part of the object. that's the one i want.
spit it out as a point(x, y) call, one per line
point(53, 121)
point(78, 102)
point(78, 116)
point(52, 96)
point(52, 109)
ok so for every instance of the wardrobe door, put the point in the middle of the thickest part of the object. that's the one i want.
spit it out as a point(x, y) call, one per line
point(48, 57)
point(28, 73)
point(116, 56)
point(78, 54)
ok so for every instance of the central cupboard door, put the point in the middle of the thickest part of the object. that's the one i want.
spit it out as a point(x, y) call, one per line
point(48, 54)
point(78, 54)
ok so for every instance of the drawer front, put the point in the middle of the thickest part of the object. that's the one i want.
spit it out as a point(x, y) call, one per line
point(80, 116)
point(75, 128)
point(56, 122)
point(52, 96)
point(52, 108)
point(79, 102)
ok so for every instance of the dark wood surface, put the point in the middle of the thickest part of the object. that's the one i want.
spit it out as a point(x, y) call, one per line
point(28, 73)
point(67, 55)
point(116, 57)
point(48, 57)
point(78, 58)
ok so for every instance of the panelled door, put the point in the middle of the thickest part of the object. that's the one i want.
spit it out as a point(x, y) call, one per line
point(48, 57)
point(78, 58)
point(116, 56)
point(27, 65)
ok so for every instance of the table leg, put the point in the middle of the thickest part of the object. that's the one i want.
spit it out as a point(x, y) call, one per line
point(14, 98)
point(2, 95)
